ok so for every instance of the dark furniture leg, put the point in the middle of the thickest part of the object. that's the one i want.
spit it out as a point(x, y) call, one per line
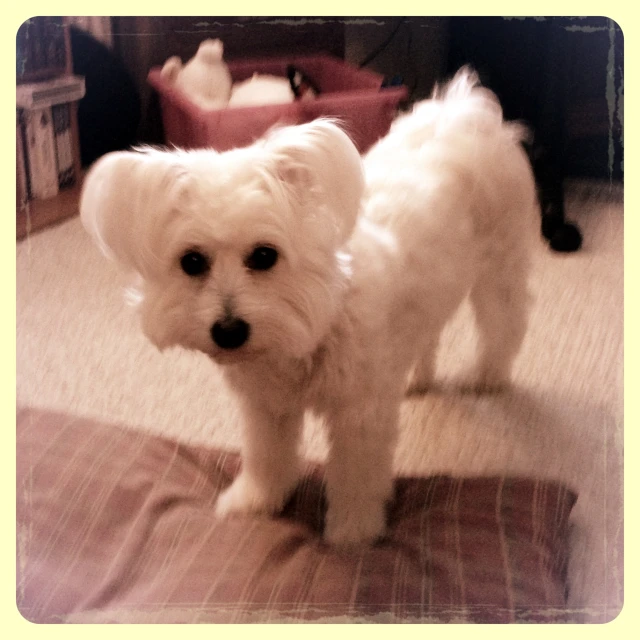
point(550, 142)
point(524, 62)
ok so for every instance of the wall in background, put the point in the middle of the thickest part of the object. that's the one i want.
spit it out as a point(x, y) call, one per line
point(420, 51)
point(414, 48)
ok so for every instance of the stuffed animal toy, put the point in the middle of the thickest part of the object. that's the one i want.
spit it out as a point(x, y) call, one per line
point(205, 79)
point(261, 89)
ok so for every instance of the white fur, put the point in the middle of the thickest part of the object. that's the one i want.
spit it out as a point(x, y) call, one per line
point(261, 89)
point(369, 272)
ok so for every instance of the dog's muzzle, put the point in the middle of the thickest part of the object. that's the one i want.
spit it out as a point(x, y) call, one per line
point(230, 333)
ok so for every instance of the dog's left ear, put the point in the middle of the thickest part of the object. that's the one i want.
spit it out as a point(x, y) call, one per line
point(319, 158)
point(171, 68)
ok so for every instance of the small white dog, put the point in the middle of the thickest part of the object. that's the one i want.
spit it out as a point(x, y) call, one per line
point(322, 286)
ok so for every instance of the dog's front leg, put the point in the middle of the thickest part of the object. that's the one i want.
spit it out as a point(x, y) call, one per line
point(359, 473)
point(270, 462)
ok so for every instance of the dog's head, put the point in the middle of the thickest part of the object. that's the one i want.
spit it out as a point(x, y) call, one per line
point(238, 253)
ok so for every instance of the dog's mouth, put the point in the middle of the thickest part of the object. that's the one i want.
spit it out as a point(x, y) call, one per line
point(233, 356)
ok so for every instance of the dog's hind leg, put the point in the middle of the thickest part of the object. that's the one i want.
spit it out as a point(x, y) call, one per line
point(430, 324)
point(500, 299)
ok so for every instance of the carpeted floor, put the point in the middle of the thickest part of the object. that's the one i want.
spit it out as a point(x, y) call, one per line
point(79, 350)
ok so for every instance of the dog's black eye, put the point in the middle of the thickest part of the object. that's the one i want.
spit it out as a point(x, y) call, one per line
point(193, 263)
point(262, 258)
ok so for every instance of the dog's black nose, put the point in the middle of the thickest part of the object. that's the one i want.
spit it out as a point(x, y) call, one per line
point(230, 333)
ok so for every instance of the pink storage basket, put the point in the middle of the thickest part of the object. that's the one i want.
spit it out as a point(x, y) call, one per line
point(353, 95)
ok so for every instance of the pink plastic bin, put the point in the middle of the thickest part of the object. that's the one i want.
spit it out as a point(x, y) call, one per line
point(346, 92)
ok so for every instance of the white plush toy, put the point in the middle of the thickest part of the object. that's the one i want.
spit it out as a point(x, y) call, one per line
point(261, 89)
point(205, 79)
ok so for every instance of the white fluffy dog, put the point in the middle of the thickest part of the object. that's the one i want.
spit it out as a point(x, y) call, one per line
point(322, 282)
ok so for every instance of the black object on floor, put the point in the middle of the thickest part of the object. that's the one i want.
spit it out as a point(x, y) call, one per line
point(562, 236)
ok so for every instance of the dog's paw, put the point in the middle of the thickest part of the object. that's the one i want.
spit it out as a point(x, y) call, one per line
point(355, 527)
point(245, 496)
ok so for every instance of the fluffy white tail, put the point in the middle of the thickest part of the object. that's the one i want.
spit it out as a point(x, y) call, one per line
point(465, 101)
point(457, 110)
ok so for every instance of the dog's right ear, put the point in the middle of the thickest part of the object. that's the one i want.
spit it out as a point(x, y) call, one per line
point(126, 202)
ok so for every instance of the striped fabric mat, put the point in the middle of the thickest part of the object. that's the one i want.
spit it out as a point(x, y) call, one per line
point(115, 525)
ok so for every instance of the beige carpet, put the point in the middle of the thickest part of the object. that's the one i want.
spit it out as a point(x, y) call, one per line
point(79, 350)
